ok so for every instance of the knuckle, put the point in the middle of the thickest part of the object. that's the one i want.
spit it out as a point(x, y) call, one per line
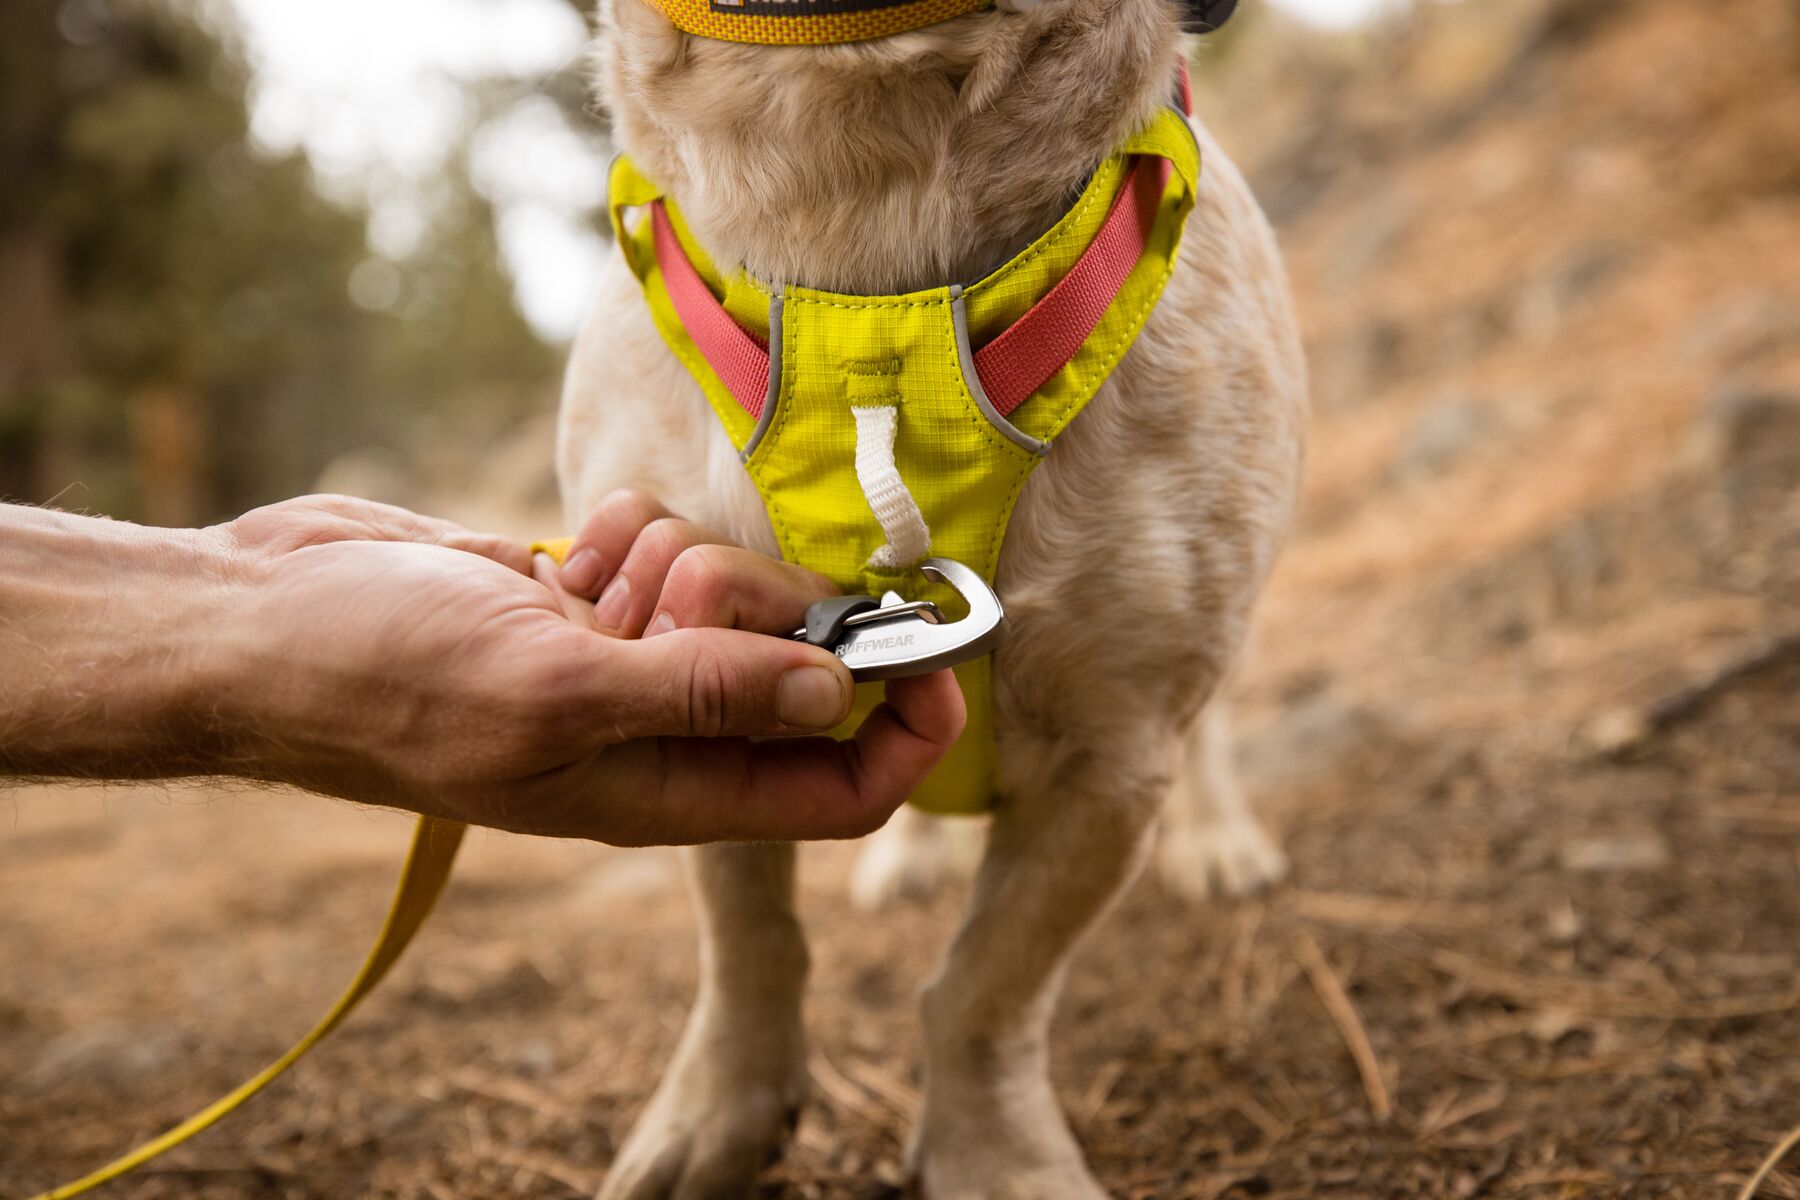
point(663, 539)
point(337, 505)
point(697, 581)
point(630, 504)
point(709, 696)
point(811, 582)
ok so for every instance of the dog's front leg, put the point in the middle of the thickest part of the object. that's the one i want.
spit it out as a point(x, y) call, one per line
point(1059, 852)
point(732, 1093)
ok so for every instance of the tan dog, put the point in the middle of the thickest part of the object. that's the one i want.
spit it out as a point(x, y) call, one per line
point(1128, 575)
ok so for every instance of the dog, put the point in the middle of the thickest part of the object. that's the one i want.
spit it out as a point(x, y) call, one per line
point(1129, 571)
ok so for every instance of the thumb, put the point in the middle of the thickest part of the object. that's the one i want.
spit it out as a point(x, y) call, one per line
point(722, 683)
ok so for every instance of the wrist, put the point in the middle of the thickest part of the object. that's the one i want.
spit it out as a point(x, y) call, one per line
point(105, 646)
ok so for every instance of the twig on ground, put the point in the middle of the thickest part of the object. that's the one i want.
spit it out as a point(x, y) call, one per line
point(509, 1091)
point(1673, 709)
point(1343, 1013)
point(544, 1167)
point(1274, 1129)
point(1451, 1110)
point(1210, 1187)
point(1770, 1163)
point(1100, 1090)
point(1768, 817)
point(845, 1094)
point(1233, 982)
point(1344, 908)
point(902, 1097)
point(1568, 1176)
point(1597, 1000)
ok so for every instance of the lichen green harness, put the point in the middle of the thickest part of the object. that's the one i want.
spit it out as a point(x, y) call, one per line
point(882, 429)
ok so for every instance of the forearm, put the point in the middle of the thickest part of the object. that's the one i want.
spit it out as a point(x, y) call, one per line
point(103, 627)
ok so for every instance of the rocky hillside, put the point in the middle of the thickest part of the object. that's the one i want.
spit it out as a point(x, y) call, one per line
point(1547, 256)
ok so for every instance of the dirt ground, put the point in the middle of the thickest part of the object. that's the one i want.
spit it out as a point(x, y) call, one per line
point(1525, 707)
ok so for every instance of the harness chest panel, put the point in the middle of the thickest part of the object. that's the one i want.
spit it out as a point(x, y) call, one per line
point(880, 429)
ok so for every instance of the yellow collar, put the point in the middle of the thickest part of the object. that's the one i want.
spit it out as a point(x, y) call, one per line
point(808, 22)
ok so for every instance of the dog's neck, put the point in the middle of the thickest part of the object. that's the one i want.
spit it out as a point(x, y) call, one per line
point(889, 166)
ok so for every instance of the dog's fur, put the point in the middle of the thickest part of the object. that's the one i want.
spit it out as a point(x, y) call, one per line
point(1128, 573)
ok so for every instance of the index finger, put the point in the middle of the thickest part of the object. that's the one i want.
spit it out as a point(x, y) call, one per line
point(729, 587)
point(606, 538)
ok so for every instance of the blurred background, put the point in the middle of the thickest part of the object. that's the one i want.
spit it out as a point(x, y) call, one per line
point(243, 243)
point(1524, 705)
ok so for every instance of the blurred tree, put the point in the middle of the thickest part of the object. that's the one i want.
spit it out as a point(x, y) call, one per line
point(186, 327)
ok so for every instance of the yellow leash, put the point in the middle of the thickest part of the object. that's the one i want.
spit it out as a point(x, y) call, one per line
point(427, 869)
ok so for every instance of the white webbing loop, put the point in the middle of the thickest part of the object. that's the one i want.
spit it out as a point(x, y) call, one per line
point(909, 540)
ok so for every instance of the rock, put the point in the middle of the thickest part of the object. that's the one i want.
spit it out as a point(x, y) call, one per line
point(1749, 425)
point(1357, 365)
point(506, 984)
point(1562, 924)
point(1440, 436)
point(1617, 731)
point(1742, 327)
point(1573, 280)
point(1308, 741)
point(106, 1053)
point(535, 1057)
point(386, 1118)
point(1630, 852)
point(1582, 558)
point(1369, 242)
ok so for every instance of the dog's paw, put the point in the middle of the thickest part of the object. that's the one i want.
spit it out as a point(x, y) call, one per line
point(715, 1124)
point(1221, 858)
point(960, 1182)
point(988, 1157)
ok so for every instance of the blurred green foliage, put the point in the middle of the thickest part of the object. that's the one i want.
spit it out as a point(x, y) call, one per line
point(178, 339)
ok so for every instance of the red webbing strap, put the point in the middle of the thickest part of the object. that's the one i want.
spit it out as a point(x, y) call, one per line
point(1184, 86)
point(737, 357)
point(1011, 367)
point(1040, 343)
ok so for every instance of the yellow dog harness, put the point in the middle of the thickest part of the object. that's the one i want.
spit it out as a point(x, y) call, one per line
point(878, 429)
point(883, 429)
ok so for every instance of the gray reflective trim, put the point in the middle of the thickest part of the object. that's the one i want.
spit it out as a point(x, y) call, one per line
point(972, 381)
point(773, 395)
point(1187, 123)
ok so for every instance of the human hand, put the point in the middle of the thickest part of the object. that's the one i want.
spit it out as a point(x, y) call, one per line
point(371, 653)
